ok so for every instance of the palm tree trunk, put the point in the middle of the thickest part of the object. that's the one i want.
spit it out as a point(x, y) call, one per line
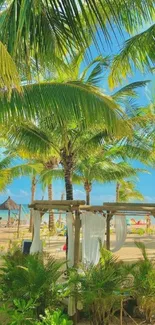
point(33, 190)
point(88, 188)
point(88, 197)
point(117, 191)
point(51, 223)
point(68, 183)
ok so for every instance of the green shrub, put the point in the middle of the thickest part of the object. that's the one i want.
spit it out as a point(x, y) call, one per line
point(138, 231)
point(143, 289)
point(55, 318)
point(19, 313)
point(28, 277)
point(100, 288)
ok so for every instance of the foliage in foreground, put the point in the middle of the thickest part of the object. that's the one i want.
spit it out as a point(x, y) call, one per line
point(28, 278)
point(30, 293)
point(56, 318)
point(100, 288)
point(143, 289)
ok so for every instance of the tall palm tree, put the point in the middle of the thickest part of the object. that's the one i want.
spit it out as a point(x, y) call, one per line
point(102, 169)
point(67, 129)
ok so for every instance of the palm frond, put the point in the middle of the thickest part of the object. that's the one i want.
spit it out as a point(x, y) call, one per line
point(96, 75)
point(9, 77)
point(138, 51)
point(129, 90)
point(128, 192)
point(40, 28)
point(64, 100)
point(47, 176)
point(30, 136)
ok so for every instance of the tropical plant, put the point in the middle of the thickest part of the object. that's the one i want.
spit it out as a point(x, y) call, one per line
point(28, 277)
point(138, 52)
point(70, 134)
point(20, 313)
point(9, 169)
point(143, 289)
point(101, 168)
point(46, 163)
point(9, 77)
point(100, 288)
point(33, 190)
point(126, 191)
point(43, 28)
point(55, 318)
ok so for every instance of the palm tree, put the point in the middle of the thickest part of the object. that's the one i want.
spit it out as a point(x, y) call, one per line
point(41, 165)
point(51, 164)
point(42, 28)
point(126, 191)
point(9, 170)
point(33, 190)
point(100, 167)
point(66, 129)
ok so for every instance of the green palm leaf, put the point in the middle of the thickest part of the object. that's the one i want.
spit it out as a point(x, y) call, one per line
point(128, 192)
point(9, 77)
point(46, 177)
point(71, 99)
point(129, 90)
point(40, 28)
point(138, 51)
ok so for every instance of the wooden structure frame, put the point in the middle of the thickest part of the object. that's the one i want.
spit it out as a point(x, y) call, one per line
point(107, 209)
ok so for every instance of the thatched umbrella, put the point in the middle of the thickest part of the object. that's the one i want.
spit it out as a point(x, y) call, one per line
point(9, 205)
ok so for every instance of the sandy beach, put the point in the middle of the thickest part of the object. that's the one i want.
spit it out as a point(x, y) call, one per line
point(54, 244)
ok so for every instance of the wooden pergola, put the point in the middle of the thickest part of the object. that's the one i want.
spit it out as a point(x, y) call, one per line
point(107, 209)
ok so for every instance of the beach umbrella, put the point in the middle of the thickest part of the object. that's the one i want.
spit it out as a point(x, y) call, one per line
point(9, 205)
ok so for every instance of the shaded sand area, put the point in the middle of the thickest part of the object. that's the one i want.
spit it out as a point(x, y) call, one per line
point(54, 244)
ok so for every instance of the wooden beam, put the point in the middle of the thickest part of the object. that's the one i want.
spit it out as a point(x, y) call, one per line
point(119, 206)
point(60, 202)
point(92, 208)
point(52, 207)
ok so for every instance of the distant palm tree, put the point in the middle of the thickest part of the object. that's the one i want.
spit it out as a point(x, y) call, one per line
point(33, 190)
point(41, 164)
point(126, 191)
point(100, 167)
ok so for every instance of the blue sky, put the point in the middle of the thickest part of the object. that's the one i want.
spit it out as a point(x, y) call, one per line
point(20, 189)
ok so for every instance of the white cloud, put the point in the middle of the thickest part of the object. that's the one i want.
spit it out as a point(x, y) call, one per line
point(78, 191)
point(24, 193)
point(8, 192)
